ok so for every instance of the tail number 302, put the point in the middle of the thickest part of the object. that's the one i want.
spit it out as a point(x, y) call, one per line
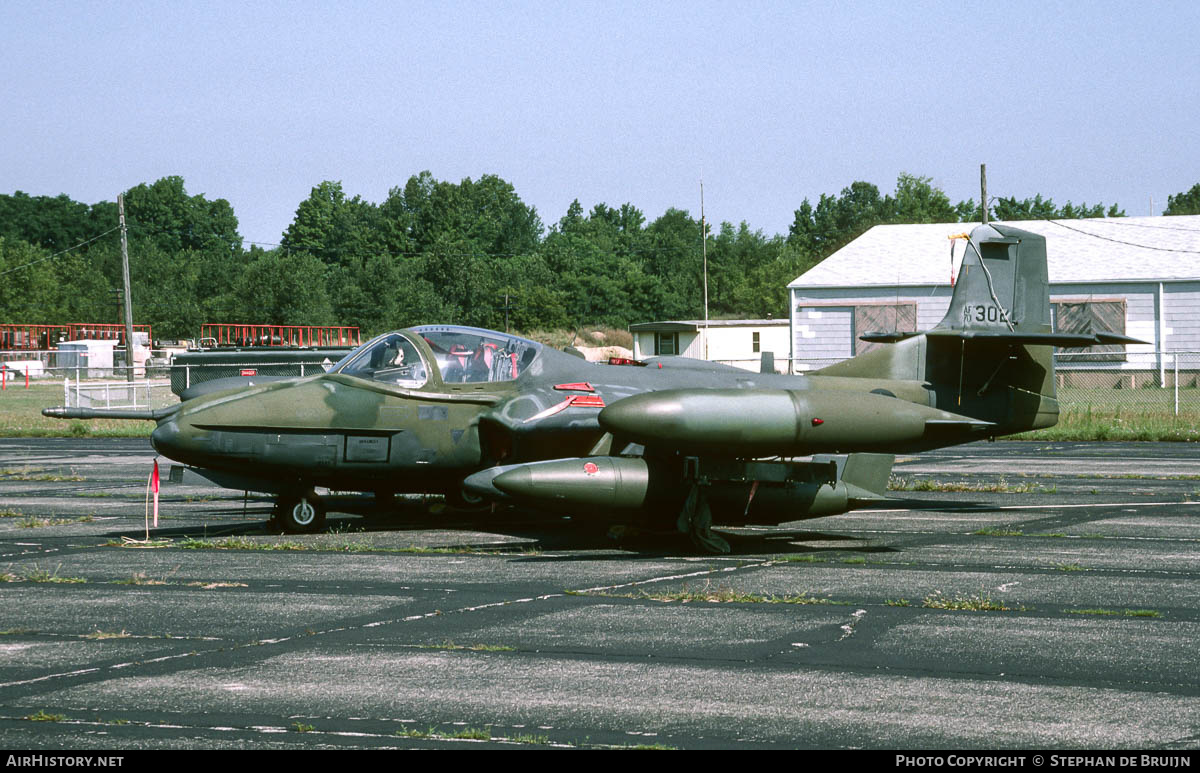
point(986, 313)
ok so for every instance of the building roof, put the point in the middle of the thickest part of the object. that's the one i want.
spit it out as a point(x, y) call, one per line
point(692, 325)
point(1078, 251)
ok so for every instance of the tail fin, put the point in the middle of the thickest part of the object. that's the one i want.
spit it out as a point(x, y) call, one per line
point(991, 356)
point(1002, 284)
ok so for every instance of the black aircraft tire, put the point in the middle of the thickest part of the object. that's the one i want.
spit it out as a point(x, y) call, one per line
point(461, 500)
point(300, 515)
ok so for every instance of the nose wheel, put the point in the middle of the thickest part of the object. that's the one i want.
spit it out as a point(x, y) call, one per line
point(300, 514)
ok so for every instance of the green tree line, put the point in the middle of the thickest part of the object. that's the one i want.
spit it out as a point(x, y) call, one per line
point(470, 252)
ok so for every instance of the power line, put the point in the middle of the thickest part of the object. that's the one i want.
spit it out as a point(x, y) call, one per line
point(1118, 241)
point(1124, 222)
point(62, 252)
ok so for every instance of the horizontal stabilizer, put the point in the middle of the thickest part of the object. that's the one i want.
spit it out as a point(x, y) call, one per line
point(866, 476)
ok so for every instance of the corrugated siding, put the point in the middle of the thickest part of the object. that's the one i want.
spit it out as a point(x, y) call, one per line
point(823, 333)
point(830, 333)
point(1182, 302)
point(827, 331)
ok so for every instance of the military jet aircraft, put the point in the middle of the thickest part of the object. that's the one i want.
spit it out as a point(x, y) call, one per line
point(667, 442)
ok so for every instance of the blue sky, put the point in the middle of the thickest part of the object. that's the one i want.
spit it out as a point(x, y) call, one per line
point(770, 103)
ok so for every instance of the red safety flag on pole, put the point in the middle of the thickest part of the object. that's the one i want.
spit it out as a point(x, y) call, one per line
point(154, 488)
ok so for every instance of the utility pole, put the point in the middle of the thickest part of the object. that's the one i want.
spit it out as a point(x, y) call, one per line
point(983, 191)
point(704, 250)
point(704, 254)
point(507, 307)
point(128, 301)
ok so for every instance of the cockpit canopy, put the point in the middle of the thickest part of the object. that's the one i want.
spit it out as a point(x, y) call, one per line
point(391, 358)
point(460, 354)
point(475, 355)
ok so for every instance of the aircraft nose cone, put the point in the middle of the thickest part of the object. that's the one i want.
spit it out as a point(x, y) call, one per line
point(654, 413)
point(481, 484)
point(167, 440)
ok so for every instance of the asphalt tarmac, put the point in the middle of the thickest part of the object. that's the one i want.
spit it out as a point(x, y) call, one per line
point(1051, 602)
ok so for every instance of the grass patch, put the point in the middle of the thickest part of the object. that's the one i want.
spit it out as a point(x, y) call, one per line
point(720, 595)
point(450, 645)
point(1123, 414)
point(999, 532)
point(37, 522)
point(300, 727)
point(37, 574)
point(21, 415)
point(42, 716)
point(338, 546)
point(980, 602)
point(1115, 612)
point(100, 635)
point(800, 559)
point(1000, 486)
point(898, 603)
point(467, 733)
point(130, 542)
point(34, 474)
point(238, 543)
point(139, 578)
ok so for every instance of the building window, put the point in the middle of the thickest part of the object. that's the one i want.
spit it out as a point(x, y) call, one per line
point(882, 318)
point(1091, 317)
point(756, 344)
point(666, 343)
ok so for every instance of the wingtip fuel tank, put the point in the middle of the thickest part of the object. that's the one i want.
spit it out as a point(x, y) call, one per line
point(764, 422)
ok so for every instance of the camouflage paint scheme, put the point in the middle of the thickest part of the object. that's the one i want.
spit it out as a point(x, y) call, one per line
point(665, 442)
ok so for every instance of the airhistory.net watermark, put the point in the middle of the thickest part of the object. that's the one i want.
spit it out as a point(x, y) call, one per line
point(62, 761)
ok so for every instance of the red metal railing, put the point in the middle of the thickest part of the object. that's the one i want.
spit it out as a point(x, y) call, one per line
point(105, 331)
point(31, 337)
point(280, 335)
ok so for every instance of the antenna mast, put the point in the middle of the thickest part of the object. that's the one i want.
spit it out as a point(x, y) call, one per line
point(983, 191)
point(704, 252)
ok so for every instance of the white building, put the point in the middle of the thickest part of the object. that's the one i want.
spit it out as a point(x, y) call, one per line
point(1134, 275)
point(738, 342)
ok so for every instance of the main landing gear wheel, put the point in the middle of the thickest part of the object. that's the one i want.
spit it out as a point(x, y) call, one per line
point(460, 499)
point(300, 514)
point(695, 520)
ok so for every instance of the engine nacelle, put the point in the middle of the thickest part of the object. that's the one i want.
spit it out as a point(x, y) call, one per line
point(738, 491)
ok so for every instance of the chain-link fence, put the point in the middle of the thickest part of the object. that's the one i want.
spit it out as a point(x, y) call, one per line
point(1164, 383)
point(1142, 386)
point(1145, 383)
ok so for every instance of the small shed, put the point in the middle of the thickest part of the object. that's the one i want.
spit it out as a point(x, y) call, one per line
point(738, 342)
point(88, 358)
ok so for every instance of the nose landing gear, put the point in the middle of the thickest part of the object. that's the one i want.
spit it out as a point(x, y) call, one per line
point(301, 514)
